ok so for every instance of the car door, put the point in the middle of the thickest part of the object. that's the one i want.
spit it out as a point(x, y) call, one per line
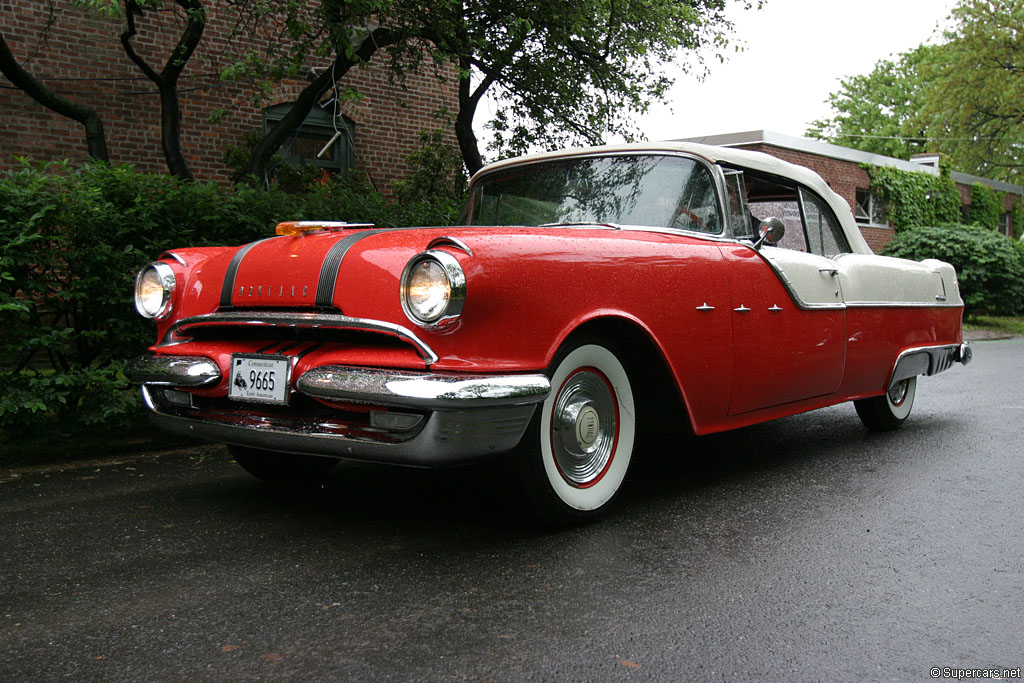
point(788, 315)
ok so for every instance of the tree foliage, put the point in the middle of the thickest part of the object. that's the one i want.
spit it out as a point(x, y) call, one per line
point(976, 105)
point(879, 112)
point(963, 97)
point(561, 73)
point(569, 73)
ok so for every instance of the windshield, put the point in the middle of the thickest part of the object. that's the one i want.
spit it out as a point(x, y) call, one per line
point(645, 190)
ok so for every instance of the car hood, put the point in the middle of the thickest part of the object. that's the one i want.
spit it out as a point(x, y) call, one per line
point(351, 270)
point(329, 269)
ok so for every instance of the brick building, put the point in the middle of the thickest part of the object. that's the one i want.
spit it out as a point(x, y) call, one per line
point(843, 170)
point(78, 54)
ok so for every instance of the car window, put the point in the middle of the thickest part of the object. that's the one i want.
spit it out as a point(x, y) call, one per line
point(739, 216)
point(823, 230)
point(789, 211)
point(811, 226)
point(645, 190)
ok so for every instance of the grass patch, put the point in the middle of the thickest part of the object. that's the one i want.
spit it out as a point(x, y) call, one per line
point(1012, 325)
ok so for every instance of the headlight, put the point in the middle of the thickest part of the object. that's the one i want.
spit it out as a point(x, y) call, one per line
point(433, 289)
point(154, 291)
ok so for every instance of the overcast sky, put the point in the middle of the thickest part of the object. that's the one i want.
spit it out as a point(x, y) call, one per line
point(796, 53)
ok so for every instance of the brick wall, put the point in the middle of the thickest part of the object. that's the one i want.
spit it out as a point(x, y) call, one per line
point(81, 57)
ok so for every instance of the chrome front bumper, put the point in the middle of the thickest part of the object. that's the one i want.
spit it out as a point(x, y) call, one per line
point(426, 419)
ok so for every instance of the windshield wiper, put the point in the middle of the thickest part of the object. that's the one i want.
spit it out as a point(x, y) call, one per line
point(581, 224)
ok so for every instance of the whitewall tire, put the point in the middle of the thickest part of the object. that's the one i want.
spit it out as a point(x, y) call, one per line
point(575, 456)
point(890, 410)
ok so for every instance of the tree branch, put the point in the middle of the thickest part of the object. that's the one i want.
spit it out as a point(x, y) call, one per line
point(167, 80)
point(94, 135)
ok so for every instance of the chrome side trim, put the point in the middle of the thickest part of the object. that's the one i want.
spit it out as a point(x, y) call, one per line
point(174, 371)
point(448, 241)
point(898, 304)
point(929, 360)
point(178, 331)
point(332, 264)
point(176, 257)
point(418, 390)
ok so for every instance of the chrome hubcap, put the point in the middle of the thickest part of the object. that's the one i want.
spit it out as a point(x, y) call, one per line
point(583, 428)
point(898, 393)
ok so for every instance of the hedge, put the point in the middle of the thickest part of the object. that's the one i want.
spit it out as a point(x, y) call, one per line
point(990, 267)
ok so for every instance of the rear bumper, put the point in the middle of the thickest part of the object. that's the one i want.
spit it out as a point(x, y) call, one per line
point(929, 360)
point(424, 419)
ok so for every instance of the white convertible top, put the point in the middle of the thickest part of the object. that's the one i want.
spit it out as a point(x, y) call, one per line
point(756, 161)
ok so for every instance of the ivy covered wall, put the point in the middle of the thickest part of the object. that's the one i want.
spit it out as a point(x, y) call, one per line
point(916, 198)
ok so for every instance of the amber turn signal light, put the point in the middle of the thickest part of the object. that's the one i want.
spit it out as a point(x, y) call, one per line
point(295, 228)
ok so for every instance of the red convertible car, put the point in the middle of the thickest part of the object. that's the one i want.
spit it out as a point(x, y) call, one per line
point(587, 295)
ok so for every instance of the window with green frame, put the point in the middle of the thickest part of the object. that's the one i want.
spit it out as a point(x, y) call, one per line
point(317, 132)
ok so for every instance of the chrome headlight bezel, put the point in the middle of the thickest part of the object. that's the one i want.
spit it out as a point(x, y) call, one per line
point(165, 280)
point(454, 290)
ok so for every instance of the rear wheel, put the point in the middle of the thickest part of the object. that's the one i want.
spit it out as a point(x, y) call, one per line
point(285, 470)
point(890, 410)
point(575, 455)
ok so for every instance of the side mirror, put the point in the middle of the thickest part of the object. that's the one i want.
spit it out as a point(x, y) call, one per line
point(771, 230)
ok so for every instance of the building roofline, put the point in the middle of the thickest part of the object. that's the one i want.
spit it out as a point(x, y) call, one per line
point(968, 179)
point(827, 149)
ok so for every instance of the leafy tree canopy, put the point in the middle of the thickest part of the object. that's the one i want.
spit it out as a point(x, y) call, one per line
point(572, 73)
point(963, 97)
point(562, 73)
point(975, 108)
point(878, 112)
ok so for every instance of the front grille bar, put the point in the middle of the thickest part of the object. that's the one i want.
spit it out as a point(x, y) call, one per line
point(178, 332)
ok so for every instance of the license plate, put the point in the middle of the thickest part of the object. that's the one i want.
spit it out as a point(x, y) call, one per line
point(259, 379)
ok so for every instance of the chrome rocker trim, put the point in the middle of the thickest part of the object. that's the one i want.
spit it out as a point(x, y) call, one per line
point(178, 331)
point(929, 360)
point(461, 417)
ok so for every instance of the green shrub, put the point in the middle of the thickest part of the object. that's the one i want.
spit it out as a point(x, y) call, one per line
point(990, 267)
point(71, 242)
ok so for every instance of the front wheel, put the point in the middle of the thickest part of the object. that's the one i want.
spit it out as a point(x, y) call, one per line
point(285, 470)
point(890, 410)
point(575, 455)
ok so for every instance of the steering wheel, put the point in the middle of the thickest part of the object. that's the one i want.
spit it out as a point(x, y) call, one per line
point(693, 218)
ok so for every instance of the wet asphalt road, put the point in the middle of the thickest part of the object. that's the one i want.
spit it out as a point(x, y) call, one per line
point(805, 549)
